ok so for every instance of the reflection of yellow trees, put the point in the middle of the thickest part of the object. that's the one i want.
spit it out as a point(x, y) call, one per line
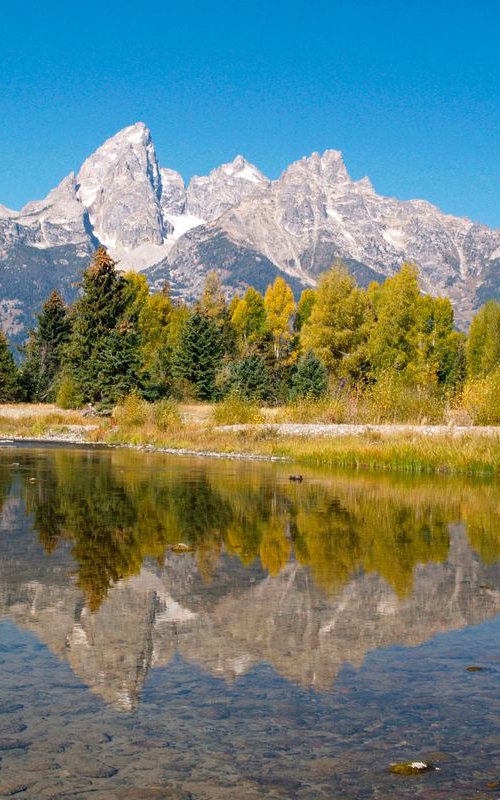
point(117, 511)
point(275, 547)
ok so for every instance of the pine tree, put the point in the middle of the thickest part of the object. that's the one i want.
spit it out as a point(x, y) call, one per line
point(8, 372)
point(310, 378)
point(44, 351)
point(118, 365)
point(250, 378)
point(95, 315)
point(198, 355)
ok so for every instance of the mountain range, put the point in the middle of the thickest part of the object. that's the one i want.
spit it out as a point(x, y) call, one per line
point(234, 220)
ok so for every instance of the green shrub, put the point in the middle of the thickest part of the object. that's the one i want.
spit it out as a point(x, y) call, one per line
point(68, 394)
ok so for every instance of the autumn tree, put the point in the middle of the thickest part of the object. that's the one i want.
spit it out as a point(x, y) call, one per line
point(396, 342)
point(248, 317)
point(304, 308)
point(338, 325)
point(154, 327)
point(280, 306)
point(213, 301)
point(483, 344)
point(444, 347)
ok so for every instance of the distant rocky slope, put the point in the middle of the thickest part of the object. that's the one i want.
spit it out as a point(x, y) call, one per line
point(234, 220)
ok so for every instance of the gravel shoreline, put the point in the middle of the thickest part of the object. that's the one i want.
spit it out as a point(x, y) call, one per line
point(61, 439)
point(341, 430)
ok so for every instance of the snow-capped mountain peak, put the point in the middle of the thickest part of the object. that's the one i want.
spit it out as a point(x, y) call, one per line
point(237, 221)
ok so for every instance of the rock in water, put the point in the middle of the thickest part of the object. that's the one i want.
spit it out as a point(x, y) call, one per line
point(410, 768)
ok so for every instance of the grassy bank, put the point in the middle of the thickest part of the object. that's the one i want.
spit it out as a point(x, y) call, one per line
point(198, 428)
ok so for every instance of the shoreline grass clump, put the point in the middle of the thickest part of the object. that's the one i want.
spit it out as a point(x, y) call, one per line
point(235, 410)
point(412, 454)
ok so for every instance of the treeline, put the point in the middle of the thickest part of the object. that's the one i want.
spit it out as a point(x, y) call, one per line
point(118, 338)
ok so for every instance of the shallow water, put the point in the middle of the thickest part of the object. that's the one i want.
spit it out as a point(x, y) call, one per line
point(314, 633)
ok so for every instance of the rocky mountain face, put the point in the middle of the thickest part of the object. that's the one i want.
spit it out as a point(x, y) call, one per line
point(234, 220)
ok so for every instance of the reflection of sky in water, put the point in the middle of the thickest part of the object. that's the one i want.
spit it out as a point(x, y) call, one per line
point(314, 634)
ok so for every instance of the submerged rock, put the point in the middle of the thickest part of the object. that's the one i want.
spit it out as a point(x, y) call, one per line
point(410, 768)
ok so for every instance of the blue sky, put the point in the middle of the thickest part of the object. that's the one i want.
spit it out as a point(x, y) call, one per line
point(409, 91)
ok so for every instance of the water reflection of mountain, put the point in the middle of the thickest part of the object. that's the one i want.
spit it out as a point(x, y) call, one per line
point(303, 578)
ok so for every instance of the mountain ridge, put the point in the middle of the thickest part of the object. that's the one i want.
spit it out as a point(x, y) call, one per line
point(237, 221)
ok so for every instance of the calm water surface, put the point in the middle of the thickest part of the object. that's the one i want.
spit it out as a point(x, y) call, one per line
point(314, 633)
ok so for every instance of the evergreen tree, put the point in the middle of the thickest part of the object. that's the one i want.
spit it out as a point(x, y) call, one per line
point(483, 345)
point(198, 355)
point(44, 351)
point(9, 386)
point(117, 365)
point(250, 378)
point(95, 316)
point(310, 378)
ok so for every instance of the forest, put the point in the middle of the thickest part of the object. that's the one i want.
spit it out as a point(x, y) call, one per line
point(386, 346)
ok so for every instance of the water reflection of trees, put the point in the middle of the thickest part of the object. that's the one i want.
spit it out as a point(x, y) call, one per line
point(116, 512)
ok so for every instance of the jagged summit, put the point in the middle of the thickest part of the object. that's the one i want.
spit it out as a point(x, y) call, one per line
point(241, 169)
point(235, 220)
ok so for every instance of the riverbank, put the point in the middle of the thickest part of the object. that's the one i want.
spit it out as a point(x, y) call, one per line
point(402, 448)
